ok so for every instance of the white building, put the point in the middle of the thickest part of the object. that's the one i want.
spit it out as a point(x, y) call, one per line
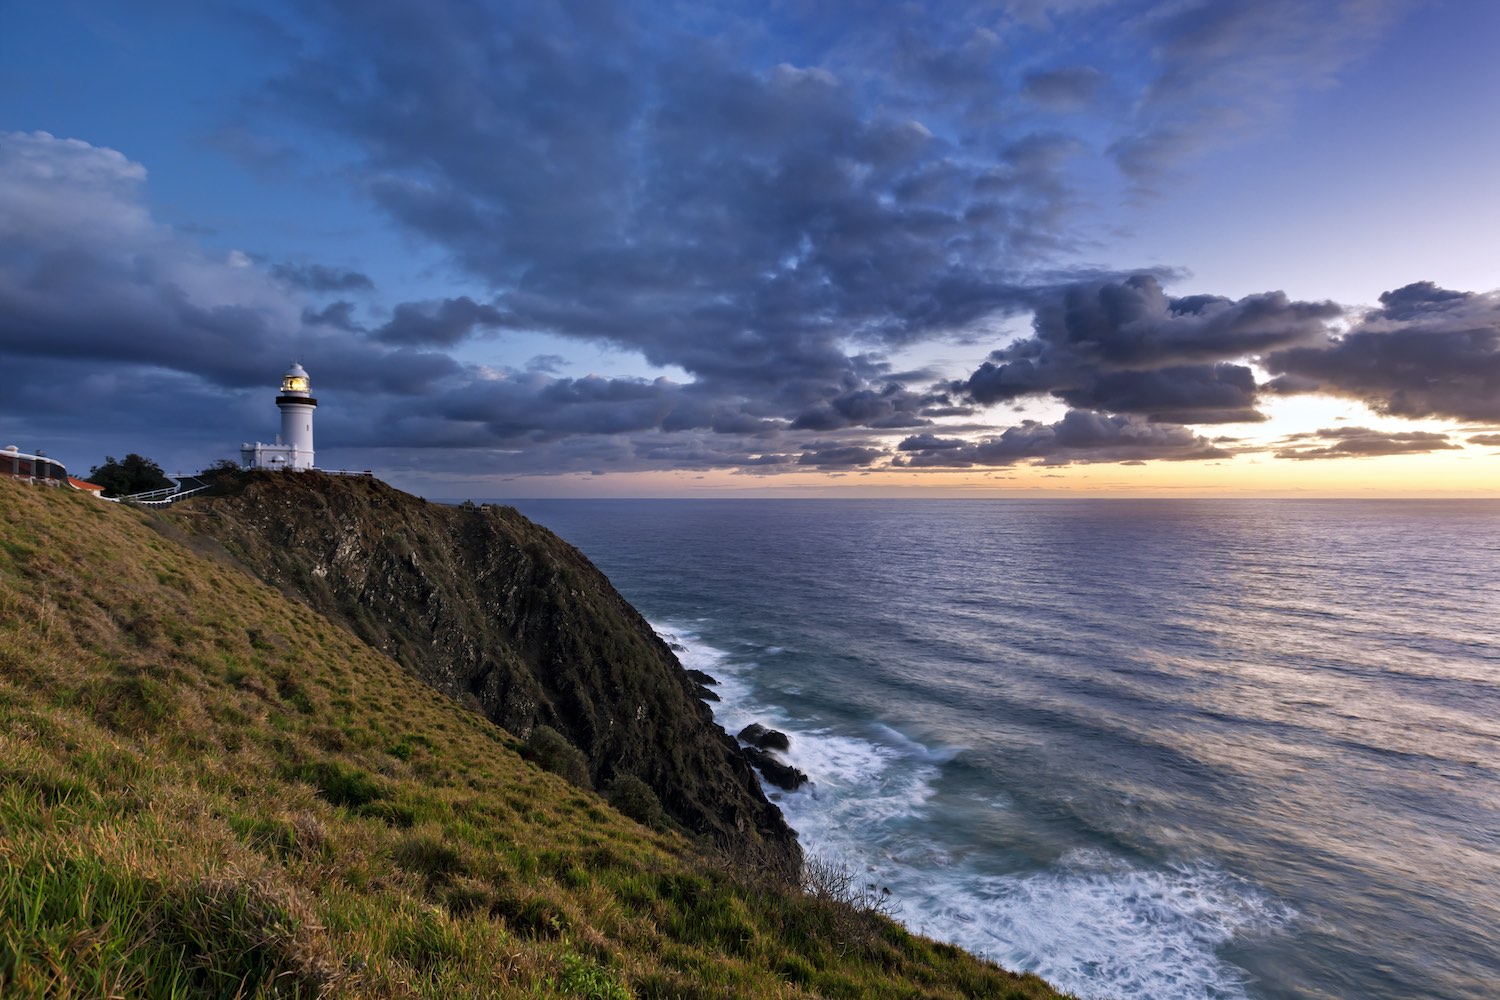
point(294, 445)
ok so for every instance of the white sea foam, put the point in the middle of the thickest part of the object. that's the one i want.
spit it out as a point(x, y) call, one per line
point(1091, 923)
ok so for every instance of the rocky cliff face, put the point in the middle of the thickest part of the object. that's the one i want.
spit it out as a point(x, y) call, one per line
point(499, 613)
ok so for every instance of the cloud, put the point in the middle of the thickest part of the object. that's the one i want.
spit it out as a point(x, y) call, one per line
point(890, 406)
point(1362, 442)
point(1491, 440)
point(1426, 352)
point(86, 273)
point(441, 324)
point(839, 456)
point(1125, 346)
point(321, 278)
point(549, 364)
point(1183, 394)
point(1079, 437)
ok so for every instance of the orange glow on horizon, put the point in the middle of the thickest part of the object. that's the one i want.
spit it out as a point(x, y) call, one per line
point(1472, 472)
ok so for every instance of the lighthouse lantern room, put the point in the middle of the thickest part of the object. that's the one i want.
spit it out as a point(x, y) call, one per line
point(293, 449)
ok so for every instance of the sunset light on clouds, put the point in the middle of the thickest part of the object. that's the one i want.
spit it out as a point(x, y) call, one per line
point(627, 249)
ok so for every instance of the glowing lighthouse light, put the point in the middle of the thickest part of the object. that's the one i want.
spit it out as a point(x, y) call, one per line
point(293, 449)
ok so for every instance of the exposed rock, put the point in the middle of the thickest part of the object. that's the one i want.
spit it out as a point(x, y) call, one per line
point(765, 739)
point(781, 775)
point(701, 681)
point(501, 614)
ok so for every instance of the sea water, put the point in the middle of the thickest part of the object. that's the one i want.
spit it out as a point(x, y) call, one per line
point(1146, 749)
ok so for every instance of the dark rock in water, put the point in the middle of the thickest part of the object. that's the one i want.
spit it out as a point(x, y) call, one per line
point(704, 694)
point(677, 647)
point(781, 775)
point(504, 616)
point(701, 677)
point(766, 739)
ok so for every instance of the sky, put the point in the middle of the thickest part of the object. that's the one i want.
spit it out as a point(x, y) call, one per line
point(785, 248)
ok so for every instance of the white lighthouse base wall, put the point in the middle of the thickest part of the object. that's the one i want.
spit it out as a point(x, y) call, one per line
point(275, 456)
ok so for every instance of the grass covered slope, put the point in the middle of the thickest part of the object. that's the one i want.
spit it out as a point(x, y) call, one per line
point(209, 790)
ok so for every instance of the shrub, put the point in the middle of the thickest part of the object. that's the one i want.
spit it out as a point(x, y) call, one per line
point(852, 911)
point(582, 978)
point(633, 797)
point(550, 750)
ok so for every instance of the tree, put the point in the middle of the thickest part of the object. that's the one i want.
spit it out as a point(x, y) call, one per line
point(221, 467)
point(135, 474)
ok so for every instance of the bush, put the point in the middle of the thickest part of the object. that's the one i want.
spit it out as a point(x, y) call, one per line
point(582, 978)
point(833, 881)
point(633, 797)
point(550, 750)
point(135, 474)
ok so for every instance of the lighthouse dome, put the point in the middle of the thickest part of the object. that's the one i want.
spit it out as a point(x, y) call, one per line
point(295, 380)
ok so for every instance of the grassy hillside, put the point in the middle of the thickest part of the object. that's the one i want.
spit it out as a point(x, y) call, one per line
point(208, 790)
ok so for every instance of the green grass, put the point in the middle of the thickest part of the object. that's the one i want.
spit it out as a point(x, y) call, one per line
point(207, 790)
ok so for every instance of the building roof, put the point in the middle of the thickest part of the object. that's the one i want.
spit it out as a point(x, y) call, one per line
point(84, 484)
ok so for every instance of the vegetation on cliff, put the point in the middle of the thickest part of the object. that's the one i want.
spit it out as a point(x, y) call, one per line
point(503, 615)
point(207, 789)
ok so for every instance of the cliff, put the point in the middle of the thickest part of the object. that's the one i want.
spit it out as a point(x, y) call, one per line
point(502, 615)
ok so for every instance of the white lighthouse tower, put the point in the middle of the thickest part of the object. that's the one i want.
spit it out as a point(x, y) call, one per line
point(293, 449)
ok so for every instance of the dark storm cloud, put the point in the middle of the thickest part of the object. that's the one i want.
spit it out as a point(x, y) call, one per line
point(1182, 394)
point(539, 407)
point(1427, 352)
point(1079, 437)
point(839, 456)
point(321, 278)
point(928, 443)
point(889, 406)
point(1125, 346)
point(440, 324)
point(1362, 442)
point(339, 315)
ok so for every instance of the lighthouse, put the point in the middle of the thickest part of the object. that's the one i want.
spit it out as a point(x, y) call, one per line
point(293, 450)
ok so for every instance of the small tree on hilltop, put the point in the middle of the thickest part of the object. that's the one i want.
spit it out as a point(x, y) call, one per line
point(135, 474)
point(221, 467)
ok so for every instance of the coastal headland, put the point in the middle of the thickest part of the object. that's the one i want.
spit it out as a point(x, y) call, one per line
point(271, 744)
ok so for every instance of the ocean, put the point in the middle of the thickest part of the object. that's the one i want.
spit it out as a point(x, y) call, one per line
point(1146, 749)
